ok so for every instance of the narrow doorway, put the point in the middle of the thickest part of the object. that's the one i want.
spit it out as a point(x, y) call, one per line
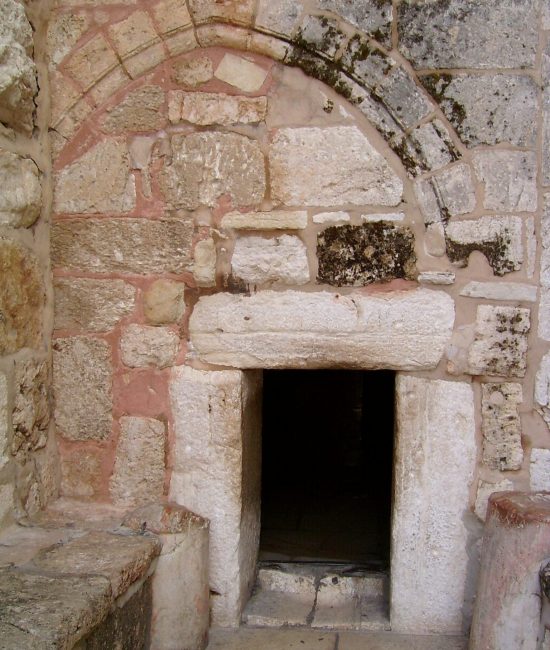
point(327, 467)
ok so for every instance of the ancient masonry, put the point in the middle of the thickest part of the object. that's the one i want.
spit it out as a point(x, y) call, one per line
point(194, 191)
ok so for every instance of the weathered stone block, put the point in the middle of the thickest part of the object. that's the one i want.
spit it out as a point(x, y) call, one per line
point(539, 470)
point(81, 473)
point(500, 346)
point(91, 62)
point(204, 263)
point(372, 18)
point(133, 34)
point(163, 302)
point(64, 32)
point(500, 291)
point(22, 297)
point(436, 277)
point(360, 255)
point(333, 217)
point(4, 421)
point(233, 11)
point(111, 188)
point(501, 425)
point(215, 108)
point(259, 260)
point(140, 110)
point(291, 329)
point(241, 73)
point(321, 34)
point(426, 148)
point(484, 491)
point(280, 17)
point(193, 72)
point(21, 197)
point(509, 179)
point(31, 407)
point(92, 305)
point(142, 346)
point(544, 305)
point(330, 166)
point(448, 193)
point(542, 388)
point(140, 246)
point(82, 375)
point(171, 16)
point(498, 238)
point(138, 474)
point(276, 220)
point(500, 33)
point(206, 166)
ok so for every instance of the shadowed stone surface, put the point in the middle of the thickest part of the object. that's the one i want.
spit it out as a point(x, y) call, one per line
point(21, 196)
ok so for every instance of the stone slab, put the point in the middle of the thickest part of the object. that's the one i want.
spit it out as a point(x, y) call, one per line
point(193, 72)
point(500, 291)
point(501, 425)
point(277, 608)
point(21, 199)
point(141, 110)
point(240, 73)
point(391, 641)
point(306, 330)
point(542, 388)
point(215, 108)
point(449, 193)
point(539, 469)
point(163, 302)
point(275, 220)
point(142, 346)
point(250, 639)
point(4, 420)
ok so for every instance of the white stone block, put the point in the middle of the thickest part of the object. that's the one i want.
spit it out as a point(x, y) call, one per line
point(484, 491)
point(540, 470)
point(204, 264)
point(501, 425)
point(500, 291)
point(448, 193)
point(331, 217)
point(144, 345)
point(383, 216)
point(436, 277)
point(215, 108)
point(241, 73)
point(289, 329)
point(276, 220)
point(435, 421)
point(542, 388)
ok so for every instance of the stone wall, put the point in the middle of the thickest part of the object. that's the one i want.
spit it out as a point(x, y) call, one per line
point(28, 455)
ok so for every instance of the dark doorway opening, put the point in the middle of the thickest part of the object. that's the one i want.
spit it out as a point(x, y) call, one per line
point(327, 466)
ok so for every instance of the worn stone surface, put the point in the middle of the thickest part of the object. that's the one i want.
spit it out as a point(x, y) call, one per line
point(429, 556)
point(403, 99)
point(544, 304)
point(542, 388)
point(448, 193)
point(360, 255)
point(501, 34)
point(21, 197)
point(434, 240)
point(276, 220)
point(330, 166)
point(4, 420)
point(539, 470)
point(215, 108)
point(81, 473)
point(427, 148)
point(484, 491)
point(111, 188)
point(206, 166)
point(332, 217)
point(498, 238)
point(235, 11)
point(133, 34)
point(82, 388)
point(193, 72)
point(372, 18)
point(321, 34)
point(171, 15)
point(500, 346)
point(488, 109)
point(241, 73)
point(64, 32)
point(204, 263)
point(139, 246)
point(31, 407)
point(501, 425)
point(92, 305)
point(436, 277)
point(22, 297)
point(278, 17)
point(142, 346)
point(509, 179)
point(140, 110)
point(290, 329)
point(138, 474)
point(163, 302)
point(500, 291)
point(259, 260)
point(91, 62)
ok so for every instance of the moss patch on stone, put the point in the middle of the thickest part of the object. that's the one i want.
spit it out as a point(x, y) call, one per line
point(495, 250)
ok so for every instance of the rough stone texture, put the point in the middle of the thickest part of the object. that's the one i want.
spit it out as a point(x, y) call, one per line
point(138, 474)
point(484, 491)
point(429, 537)
point(498, 238)
point(488, 109)
point(21, 197)
point(330, 166)
point(545, 108)
point(372, 18)
point(215, 108)
point(332, 217)
point(226, 404)
point(500, 346)
point(91, 62)
point(163, 302)
point(321, 34)
point(468, 33)
point(241, 73)
point(501, 425)
point(4, 421)
point(544, 304)
point(259, 260)
point(64, 32)
point(193, 72)
point(81, 473)
point(133, 34)
point(206, 166)
point(235, 11)
point(306, 330)
point(278, 17)
point(539, 470)
point(142, 346)
point(276, 220)
point(360, 255)
point(436, 277)
point(500, 291)
point(139, 246)
point(204, 263)
point(171, 15)
point(109, 189)
point(140, 110)
point(448, 193)
point(542, 388)
point(427, 148)
point(509, 179)
point(82, 388)
point(22, 296)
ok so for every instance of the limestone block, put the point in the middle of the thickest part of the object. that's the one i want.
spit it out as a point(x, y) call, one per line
point(241, 73)
point(330, 166)
point(321, 34)
point(21, 197)
point(276, 220)
point(140, 246)
point(259, 260)
point(64, 32)
point(436, 277)
point(500, 346)
point(278, 17)
point(404, 100)
point(142, 346)
point(204, 264)
point(427, 148)
point(81, 473)
point(215, 108)
point(429, 538)
point(193, 72)
point(233, 11)
point(484, 491)
point(500, 291)
point(149, 58)
point(92, 305)
point(171, 16)
point(448, 193)
point(360, 255)
point(133, 34)
point(163, 302)
point(290, 329)
point(500, 34)
point(509, 179)
point(333, 217)
point(4, 420)
point(6, 505)
point(91, 62)
point(110, 188)
point(544, 306)
point(82, 376)
point(205, 166)
point(181, 42)
point(140, 110)
point(501, 425)
point(217, 474)
point(31, 407)
point(372, 18)
point(22, 297)
point(138, 474)
point(498, 238)
point(542, 388)
point(15, 26)
point(539, 470)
